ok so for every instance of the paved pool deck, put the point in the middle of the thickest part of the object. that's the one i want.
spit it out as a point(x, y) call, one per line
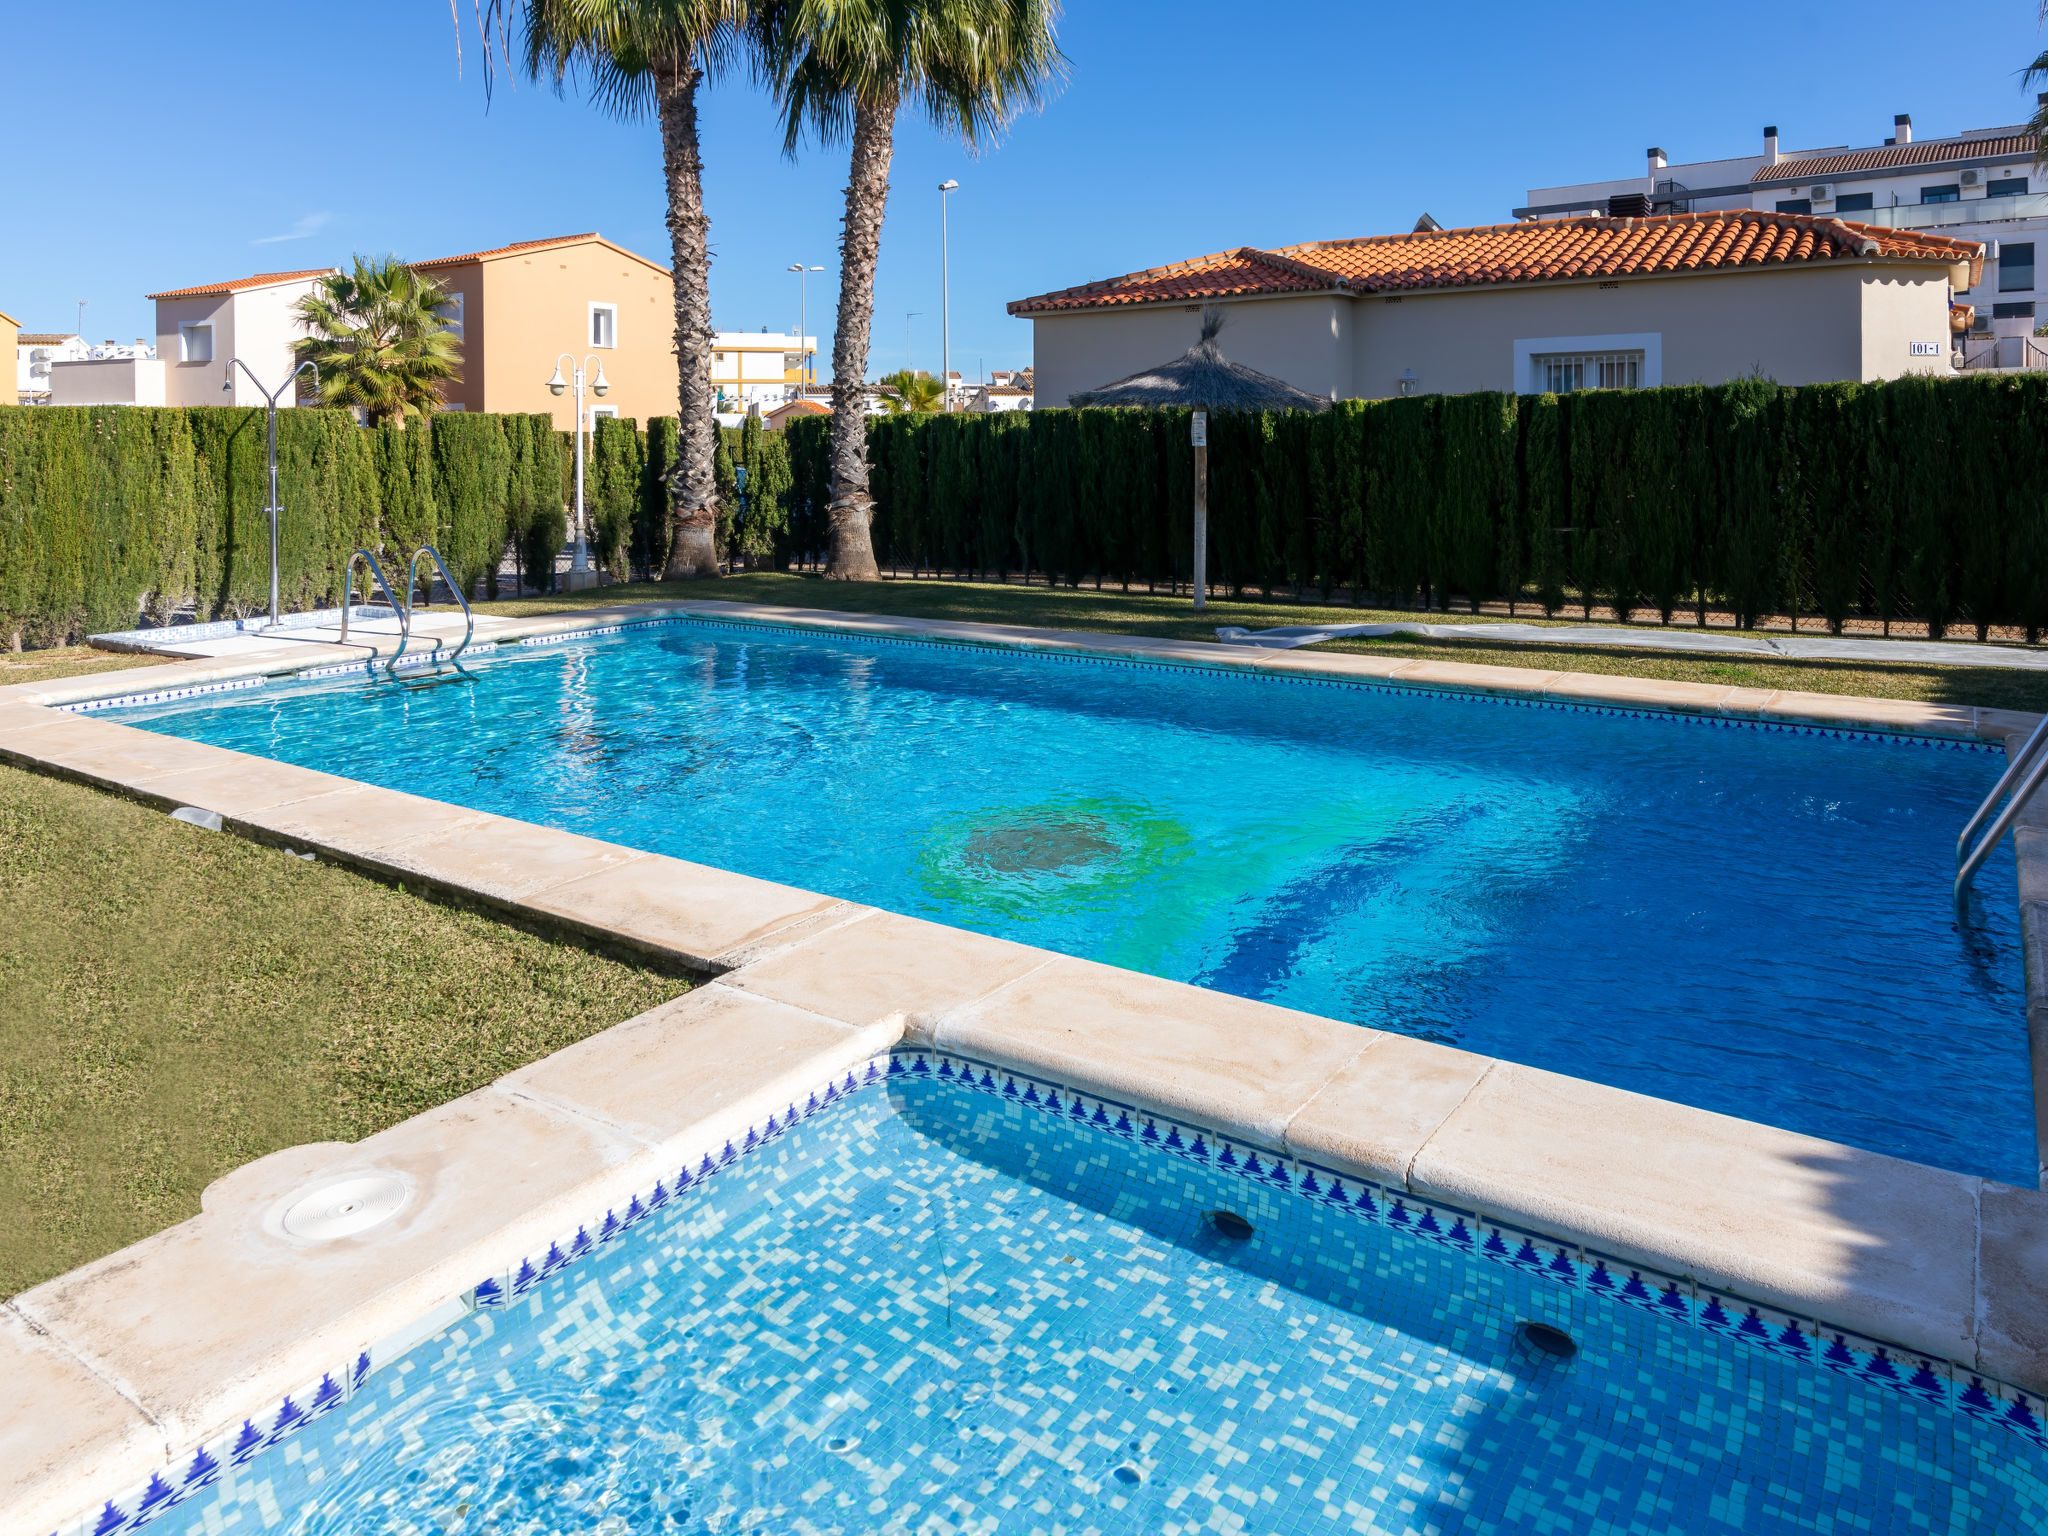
point(122, 1366)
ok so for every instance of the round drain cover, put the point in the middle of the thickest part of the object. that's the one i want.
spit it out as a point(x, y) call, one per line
point(346, 1207)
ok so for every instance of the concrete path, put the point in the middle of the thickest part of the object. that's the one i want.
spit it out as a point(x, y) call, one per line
point(369, 636)
point(1926, 653)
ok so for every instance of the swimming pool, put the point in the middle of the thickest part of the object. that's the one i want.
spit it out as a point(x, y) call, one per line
point(943, 1298)
point(1751, 920)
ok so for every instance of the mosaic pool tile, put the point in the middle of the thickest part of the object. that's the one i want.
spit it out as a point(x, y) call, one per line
point(1348, 1362)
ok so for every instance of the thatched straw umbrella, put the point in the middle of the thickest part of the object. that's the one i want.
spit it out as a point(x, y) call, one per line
point(1202, 379)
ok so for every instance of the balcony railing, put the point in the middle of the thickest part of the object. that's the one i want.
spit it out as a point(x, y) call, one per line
point(2002, 352)
point(1974, 210)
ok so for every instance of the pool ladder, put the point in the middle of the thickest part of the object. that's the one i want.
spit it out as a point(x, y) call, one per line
point(404, 612)
point(2028, 768)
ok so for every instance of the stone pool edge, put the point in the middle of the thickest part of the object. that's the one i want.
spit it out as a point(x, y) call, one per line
point(145, 1353)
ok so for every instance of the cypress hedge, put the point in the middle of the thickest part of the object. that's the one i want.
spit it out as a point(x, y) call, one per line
point(110, 512)
point(1919, 499)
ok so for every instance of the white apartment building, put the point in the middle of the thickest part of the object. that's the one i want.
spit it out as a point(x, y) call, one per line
point(53, 368)
point(199, 329)
point(34, 353)
point(989, 398)
point(761, 368)
point(1978, 185)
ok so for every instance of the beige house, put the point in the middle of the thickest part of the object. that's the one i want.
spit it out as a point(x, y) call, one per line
point(1551, 306)
point(518, 308)
point(10, 339)
point(758, 368)
point(199, 329)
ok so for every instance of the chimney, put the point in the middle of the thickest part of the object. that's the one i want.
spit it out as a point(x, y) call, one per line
point(1902, 128)
point(1656, 163)
point(1770, 146)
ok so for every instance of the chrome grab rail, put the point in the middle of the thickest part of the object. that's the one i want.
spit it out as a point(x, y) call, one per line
point(412, 584)
point(348, 588)
point(2030, 761)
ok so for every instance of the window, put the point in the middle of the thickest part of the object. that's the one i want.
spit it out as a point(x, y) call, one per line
point(604, 325)
point(1952, 193)
point(195, 343)
point(1853, 202)
point(2016, 267)
point(1564, 373)
point(603, 410)
point(1795, 205)
point(2007, 186)
point(451, 315)
point(2012, 311)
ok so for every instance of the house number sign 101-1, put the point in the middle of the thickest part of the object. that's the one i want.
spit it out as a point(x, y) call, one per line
point(1926, 348)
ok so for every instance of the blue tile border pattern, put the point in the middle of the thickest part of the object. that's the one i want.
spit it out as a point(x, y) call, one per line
point(1089, 658)
point(165, 696)
point(1585, 1272)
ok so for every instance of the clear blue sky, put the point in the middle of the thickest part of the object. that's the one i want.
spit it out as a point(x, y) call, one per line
point(174, 145)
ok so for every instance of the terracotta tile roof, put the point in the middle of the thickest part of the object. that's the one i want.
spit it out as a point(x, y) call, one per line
point(47, 338)
point(2017, 147)
point(237, 284)
point(1549, 251)
point(508, 250)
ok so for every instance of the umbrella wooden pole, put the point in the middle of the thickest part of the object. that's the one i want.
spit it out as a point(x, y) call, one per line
point(1201, 525)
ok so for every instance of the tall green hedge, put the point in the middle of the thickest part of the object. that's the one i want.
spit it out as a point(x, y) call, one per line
point(106, 511)
point(1919, 499)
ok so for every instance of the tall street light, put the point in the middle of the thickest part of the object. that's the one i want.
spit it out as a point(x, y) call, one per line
point(271, 397)
point(945, 300)
point(803, 324)
point(581, 561)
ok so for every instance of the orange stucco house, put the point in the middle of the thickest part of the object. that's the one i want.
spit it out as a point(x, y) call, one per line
point(519, 307)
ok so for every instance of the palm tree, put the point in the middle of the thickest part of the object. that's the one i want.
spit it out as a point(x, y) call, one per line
point(917, 394)
point(378, 337)
point(841, 69)
point(633, 58)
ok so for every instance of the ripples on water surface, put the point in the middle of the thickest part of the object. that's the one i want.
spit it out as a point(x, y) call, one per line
point(1751, 922)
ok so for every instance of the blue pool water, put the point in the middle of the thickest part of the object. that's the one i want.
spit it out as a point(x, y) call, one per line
point(939, 1310)
point(1752, 922)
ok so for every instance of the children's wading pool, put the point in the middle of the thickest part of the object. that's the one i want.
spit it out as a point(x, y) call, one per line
point(1752, 920)
point(940, 1298)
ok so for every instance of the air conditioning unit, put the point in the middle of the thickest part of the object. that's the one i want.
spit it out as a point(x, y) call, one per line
point(1969, 178)
point(1821, 193)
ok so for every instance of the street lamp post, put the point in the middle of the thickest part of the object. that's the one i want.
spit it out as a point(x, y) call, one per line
point(945, 300)
point(803, 323)
point(581, 560)
point(271, 397)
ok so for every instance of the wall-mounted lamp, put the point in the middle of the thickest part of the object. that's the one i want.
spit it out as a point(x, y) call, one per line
point(1408, 381)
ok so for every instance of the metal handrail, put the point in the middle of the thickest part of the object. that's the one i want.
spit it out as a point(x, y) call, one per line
point(2030, 761)
point(412, 584)
point(348, 589)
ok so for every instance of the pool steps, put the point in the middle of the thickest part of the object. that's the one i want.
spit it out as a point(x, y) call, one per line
point(121, 1368)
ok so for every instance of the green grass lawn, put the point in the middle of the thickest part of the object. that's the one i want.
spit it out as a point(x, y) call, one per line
point(67, 661)
point(176, 1002)
point(1137, 613)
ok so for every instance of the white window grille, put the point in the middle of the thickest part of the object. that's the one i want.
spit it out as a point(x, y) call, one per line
point(1564, 373)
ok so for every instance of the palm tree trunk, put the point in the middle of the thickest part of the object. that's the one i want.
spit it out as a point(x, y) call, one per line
point(692, 488)
point(852, 509)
